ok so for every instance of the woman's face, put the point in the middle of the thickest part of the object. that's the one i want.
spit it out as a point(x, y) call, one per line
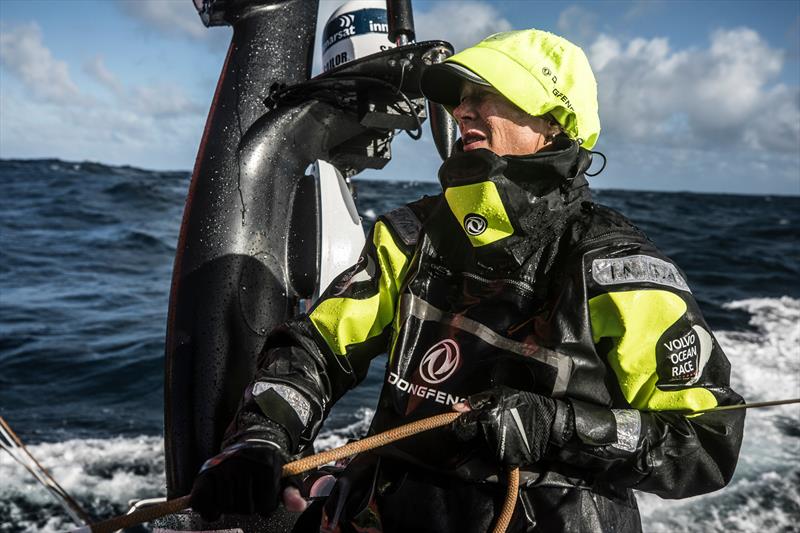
point(488, 120)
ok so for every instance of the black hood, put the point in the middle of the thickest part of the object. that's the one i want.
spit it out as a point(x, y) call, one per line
point(541, 192)
point(538, 173)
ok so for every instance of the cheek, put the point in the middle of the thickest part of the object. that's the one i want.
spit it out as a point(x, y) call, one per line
point(504, 129)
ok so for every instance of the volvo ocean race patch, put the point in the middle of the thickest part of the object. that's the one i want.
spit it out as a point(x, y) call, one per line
point(682, 354)
point(637, 269)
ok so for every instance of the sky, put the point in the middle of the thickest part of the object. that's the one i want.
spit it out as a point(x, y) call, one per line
point(694, 96)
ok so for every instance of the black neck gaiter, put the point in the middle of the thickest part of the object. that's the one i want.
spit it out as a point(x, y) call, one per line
point(504, 213)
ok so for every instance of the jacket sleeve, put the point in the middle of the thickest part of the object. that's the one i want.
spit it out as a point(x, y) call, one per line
point(664, 364)
point(311, 361)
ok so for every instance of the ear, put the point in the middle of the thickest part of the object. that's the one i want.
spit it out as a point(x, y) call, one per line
point(554, 129)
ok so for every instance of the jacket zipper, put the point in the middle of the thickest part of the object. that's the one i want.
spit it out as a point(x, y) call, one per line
point(519, 284)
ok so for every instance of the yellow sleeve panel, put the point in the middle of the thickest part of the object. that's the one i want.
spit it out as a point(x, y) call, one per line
point(346, 321)
point(635, 321)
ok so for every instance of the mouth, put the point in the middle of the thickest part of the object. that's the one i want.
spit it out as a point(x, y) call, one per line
point(473, 139)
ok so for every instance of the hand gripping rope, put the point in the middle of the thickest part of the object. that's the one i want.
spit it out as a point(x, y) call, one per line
point(310, 463)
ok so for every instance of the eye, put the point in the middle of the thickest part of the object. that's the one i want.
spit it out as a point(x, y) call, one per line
point(482, 94)
point(471, 97)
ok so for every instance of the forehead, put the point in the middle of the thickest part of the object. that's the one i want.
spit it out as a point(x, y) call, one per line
point(493, 102)
point(469, 88)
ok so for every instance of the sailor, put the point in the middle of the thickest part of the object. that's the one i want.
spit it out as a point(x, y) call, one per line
point(573, 346)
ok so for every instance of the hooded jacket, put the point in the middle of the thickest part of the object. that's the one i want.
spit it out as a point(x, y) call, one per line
point(575, 304)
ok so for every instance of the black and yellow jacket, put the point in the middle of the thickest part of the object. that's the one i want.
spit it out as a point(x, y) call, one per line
point(579, 306)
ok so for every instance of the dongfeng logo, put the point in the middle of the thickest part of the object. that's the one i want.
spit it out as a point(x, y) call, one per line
point(440, 361)
point(475, 224)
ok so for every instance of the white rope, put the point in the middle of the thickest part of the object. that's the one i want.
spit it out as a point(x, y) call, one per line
point(17, 450)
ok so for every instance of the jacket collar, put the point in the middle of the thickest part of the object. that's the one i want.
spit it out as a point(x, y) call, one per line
point(538, 173)
point(543, 195)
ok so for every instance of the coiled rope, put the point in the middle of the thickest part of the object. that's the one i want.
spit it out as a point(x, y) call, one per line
point(306, 464)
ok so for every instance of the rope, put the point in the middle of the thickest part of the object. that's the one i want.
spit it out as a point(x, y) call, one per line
point(743, 406)
point(173, 506)
point(369, 443)
point(10, 442)
point(310, 463)
point(510, 502)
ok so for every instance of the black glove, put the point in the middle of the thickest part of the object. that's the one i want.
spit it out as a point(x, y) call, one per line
point(244, 478)
point(514, 425)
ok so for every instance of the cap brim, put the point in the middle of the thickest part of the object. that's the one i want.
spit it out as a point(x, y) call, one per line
point(441, 83)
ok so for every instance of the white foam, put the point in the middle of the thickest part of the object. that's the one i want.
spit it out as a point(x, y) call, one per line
point(765, 365)
point(766, 503)
point(101, 474)
point(335, 437)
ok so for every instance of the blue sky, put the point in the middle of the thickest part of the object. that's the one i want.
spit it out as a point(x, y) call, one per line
point(699, 96)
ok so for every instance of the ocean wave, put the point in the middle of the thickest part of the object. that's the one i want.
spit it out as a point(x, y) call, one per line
point(143, 243)
point(769, 502)
point(335, 437)
point(766, 361)
point(148, 192)
point(102, 475)
point(105, 476)
point(369, 215)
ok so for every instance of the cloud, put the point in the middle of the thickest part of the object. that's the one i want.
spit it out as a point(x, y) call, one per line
point(24, 54)
point(460, 23)
point(116, 134)
point(724, 95)
point(577, 24)
point(163, 100)
point(50, 115)
point(643, 8)
point(97, 69)
point(175, 18)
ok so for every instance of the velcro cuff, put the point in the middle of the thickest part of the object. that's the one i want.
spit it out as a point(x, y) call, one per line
point(629, 427)
point(600, 426)
point(284, 405)
point(595, 425)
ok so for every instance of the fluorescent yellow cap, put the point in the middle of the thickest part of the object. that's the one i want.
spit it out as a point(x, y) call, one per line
point(536, 70)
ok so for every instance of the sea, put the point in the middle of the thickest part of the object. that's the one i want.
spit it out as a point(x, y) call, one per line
point(86, 254)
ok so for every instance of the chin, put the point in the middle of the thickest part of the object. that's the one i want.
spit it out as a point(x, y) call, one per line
point(475, 146)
